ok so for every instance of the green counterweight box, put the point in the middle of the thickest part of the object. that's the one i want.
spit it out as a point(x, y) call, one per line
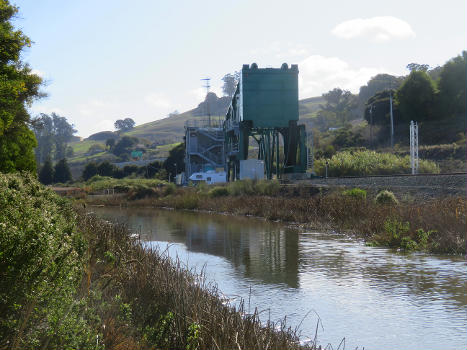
point(268, 97)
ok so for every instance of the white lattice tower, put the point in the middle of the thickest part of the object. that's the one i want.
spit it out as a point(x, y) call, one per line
point(414, 146)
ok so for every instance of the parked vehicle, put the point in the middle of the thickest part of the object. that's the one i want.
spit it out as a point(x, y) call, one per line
point(210, 177)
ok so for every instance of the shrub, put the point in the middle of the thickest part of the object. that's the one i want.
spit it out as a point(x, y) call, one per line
point(386, 197)
point(396, 231)
point(358, 163)
point(218, 191)
point(41, 259)
point(356, 193)
point(170, 189)
point(268, 187)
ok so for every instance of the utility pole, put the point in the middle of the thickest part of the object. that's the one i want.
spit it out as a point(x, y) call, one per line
point(392, 119)
point(207, 86)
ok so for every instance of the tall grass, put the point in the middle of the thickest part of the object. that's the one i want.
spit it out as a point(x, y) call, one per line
point(359, 163)
point(351, 212)
point(99, 183)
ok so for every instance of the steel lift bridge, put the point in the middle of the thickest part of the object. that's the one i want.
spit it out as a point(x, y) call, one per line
point(265, 107)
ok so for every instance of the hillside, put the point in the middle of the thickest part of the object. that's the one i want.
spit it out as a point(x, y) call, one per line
point(171, 129)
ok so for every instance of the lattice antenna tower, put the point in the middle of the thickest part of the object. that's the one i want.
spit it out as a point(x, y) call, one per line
point(414, 146)
point(207, 86)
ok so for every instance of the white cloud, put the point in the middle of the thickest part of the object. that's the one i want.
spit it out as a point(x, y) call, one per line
point(319, 74)
point(377, 29)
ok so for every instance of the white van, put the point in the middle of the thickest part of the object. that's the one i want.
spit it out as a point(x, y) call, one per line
point(210, 177)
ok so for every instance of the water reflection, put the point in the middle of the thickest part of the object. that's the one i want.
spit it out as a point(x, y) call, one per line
point(374, 297)
point(260, 250)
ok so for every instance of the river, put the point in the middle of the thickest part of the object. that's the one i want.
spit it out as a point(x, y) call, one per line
point(374, 297)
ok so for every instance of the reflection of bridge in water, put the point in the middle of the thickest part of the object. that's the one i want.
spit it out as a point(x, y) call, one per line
point(260, 250)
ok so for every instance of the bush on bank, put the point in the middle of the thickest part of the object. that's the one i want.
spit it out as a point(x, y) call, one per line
point(360, 163)
point(41, 259)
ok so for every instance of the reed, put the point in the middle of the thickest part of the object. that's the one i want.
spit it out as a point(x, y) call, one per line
point(147, 301)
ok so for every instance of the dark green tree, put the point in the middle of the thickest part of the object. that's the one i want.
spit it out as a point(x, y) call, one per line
point(175, 162)
point(62, 171)
point(106, 169)
point(124, 145)
point(416, 67)
point(18, 89)
point(89, 171)
point(110, 144)
point(46, 174)
point(452, 86)
point(345, 138)
point(378, 83)
point(416, 97)
point(123, 125)
point(377, 108)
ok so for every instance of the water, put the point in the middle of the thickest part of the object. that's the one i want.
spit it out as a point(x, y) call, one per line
point(374, 297)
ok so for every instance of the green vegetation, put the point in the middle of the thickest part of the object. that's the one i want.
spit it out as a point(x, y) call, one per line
point(386, 197)
point(53, 133)
point(41, 258)
point(352, 211)
point(356, 193)
point(357, 163)
point(72, 281)
point(19, 87)
point(62, 172)
point(98, 183)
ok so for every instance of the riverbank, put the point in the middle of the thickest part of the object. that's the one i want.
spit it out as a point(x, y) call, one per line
point(436, 225)
point(72, 280)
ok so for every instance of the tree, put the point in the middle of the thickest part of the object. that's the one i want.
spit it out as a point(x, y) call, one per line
point(230, 83)
point(340, 105)
point(63, 132)
point(89, 171)
point(53, 134)
point(452, 86)
point(377, 108)
point(105, 169)
point(110, 143)
point(345, 137)
point(175, 162)
point(415, 67)
point(46, 175)
point(124, 145)
point(416, 97)
point(378, 83)
point(18, 89)
point(123, 125)
point(62, 171)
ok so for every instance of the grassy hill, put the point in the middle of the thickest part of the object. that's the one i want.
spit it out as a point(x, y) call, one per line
point(165, 133)
point(171, 129)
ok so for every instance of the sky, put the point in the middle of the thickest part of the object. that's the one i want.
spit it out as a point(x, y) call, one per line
point(143, 59)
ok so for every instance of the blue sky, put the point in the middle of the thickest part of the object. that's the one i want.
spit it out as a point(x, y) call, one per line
point(106, 60)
